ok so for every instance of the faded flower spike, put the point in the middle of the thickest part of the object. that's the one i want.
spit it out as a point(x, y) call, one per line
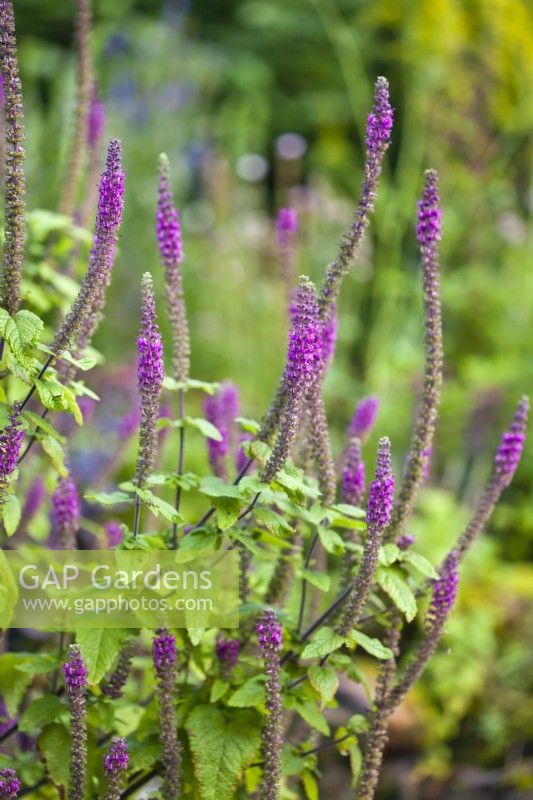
point(168, 231)
point(9, 784)
point(512, 443)
point(10, 442)
point(66, 512)
point(405, 541)
point(95, 121)
point(75, 673)
point(444, 592)
point(221, 410)
point(227, 651)
point(85, 312)
point(115, 763)
point(353, 475)
point(417, 462)
point(164, 656)
point(34, 499)
point(269, 636)
point(286, 225)
point(364, 418)
point(13, 167)
point(303, 370)
point(378, 514)
point(150, 373)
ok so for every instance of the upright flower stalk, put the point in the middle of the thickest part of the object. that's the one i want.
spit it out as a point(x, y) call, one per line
point(13, 168)
point(353, 474)
point(114, 686)
point(86, 310)
point(428, 234)
point(150, 373)
point(9, 784)
point(303, 370)
point(66, 512)
point(505, 463)
point(10, 443)
point(269, 635)
point(164, 656)
point(115, 764)
point(83, 99)
point(378, 516)
point(75, 673)
point(364, 418)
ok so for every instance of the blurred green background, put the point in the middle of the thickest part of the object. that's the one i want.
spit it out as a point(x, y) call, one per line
point(215, 84)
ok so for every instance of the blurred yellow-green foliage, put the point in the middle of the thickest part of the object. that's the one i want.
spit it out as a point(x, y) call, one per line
point(215, 83)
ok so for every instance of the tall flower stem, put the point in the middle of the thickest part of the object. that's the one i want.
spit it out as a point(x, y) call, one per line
point(181, 457)
point(75, 673)
point(83, 99)
point(270, 641)
point(164, 657)
point(14, 179)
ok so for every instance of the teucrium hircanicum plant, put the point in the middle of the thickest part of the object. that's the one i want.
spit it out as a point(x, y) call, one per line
point(239, 709)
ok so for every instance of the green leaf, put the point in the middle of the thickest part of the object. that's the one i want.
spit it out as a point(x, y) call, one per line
point(372, 646)
point(205, 427)
point(331, 541)
point(53, 450)
point(144, 755)
point(324, 642)
point(8, 592)
point(54, 744)
point(249, 695)
point(218, 690)
point(222, 747)
point(10, 332)
point(51, 394)
point(215, 487)
point(30, 327)
point(310, 713)
point(160, 508)
point(99, 648)
point(228, 511)
point(388, 554)
point(356, 761)
point(11, 513)
point(109, 498)
point(324, 679)
point(43, 424)
point(420, 563)
point(40, 712)
point(318, 579)
point(273, 521)
point(248, 425)
point(310, 785)
point(37, 663)
point(13, 683)
point(398, 590)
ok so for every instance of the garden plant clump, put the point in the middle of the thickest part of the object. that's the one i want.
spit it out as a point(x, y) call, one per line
point(329, 576)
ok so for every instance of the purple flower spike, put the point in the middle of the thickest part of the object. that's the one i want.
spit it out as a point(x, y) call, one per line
point(164, 651)
point(150, 373)
point(221, 410)
point(381, 494)
point(10, 442)
point(66, 512)
point(168, 231)
point(95, 122)
point(329, 337)
point(353, 475)
point(286, 226)
point(405, 541)
point(512, 443)
point(269, 633)
point(227, 651)
point(9, 784)
point(364, 418)
point(116, 759)
point(428, 230)
point(379, 121)
point(444, 592)
point(75, 671)
point(114, 533)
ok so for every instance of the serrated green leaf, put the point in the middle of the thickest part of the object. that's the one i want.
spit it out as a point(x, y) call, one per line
point(420, 563)
point(372, 646)
point(40, 712)
point(55, 453)
point(324, 642)
point(99, 648)
point(11, 334)
point(51, 394)
point(206, 428)
point(388, 554)
point(324, 679)
point(218, 690)
point(273, 521)
point(109, 498)
point(228, 511)
point(398, 590)
point(13, 683)
point(160, 508)
point(54, 744)
point(30, 327)
point(249, 695)
point(248, 425)
point(331, 541)
point(43, 424)
point(215, 487)
point(310, 713)
point(222, 747)
point(11, 513)
point(318, 579)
